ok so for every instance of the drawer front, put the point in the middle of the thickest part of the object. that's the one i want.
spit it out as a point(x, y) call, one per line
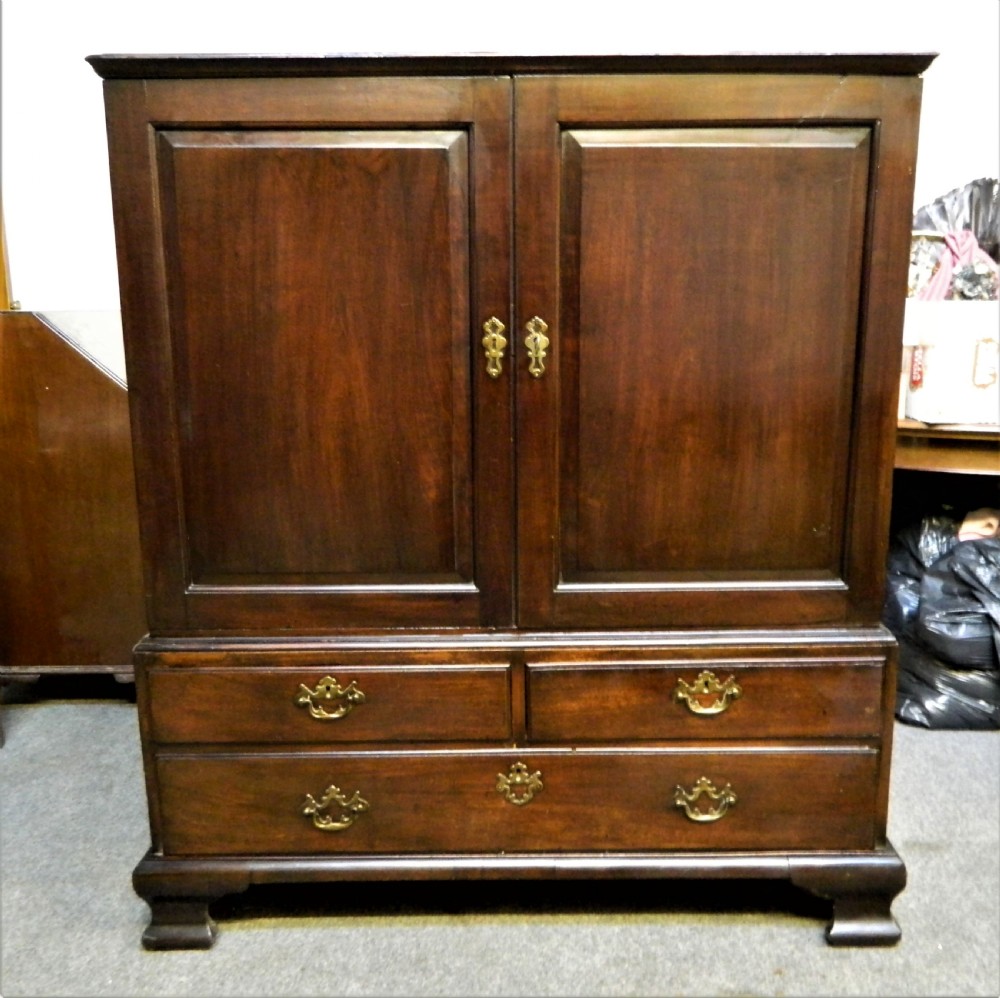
point(719, 699)
point(537, 801)
point(331, 703)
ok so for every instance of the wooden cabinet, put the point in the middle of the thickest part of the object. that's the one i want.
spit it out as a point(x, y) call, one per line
point(71, 599)
point(514, 441)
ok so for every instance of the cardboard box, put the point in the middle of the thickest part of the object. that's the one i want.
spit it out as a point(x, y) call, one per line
point(951, 357)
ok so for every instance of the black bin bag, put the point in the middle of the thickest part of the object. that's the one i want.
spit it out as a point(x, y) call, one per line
point(943, 605)
point(959, 614)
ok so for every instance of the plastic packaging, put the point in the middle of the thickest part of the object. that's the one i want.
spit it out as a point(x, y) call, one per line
point(975, 207)
point(931, 695)
point(955, 249)
point(943, 605)
point(959, 614)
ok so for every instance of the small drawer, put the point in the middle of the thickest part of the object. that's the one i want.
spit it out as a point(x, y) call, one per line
point(717, 699)
point(488, 802)
point(332, 702)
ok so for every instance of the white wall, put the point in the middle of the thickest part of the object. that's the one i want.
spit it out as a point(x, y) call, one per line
point(56, 195)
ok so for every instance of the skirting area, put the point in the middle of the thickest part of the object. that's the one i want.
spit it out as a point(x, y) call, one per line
point(74, 826)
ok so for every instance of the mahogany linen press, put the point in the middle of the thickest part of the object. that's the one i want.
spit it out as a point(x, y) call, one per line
point(513, 441)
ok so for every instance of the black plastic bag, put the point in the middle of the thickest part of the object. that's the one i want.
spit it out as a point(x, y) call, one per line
point(958, 617)
point(912, 552)
point(931, 695)
point(920, 546)
point(943, 605)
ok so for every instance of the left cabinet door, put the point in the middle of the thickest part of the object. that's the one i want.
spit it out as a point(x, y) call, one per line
point(306, 266)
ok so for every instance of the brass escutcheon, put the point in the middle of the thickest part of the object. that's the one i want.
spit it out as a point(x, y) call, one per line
point(328, 690)
point(688, 800)
point(707, 685)
point(519, 785)
point(350, 807)
point(494, 343)
point(537, 343)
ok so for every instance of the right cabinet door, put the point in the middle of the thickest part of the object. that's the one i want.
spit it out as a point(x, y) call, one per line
point(714, 260)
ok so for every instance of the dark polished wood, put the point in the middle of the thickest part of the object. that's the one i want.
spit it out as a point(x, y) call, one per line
point(589, 800)
point(861, 886)
point(639, 699)
point(658, 482)
point(179, 901)
point(71, 592)
point(415, 698)
point(500, 580)
point(342, 457)
point(181, 66)
point(368, 473)
point(179, 923)
point(862, 890)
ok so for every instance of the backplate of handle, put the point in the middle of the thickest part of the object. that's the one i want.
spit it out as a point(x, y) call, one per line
point(537, 343)
point(494, 343)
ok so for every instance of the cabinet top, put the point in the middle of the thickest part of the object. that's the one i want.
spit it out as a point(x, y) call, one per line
point(139, 66)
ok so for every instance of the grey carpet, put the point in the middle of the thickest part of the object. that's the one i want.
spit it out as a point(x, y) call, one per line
point(73, 825)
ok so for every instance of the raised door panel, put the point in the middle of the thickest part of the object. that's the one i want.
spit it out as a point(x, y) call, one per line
point(319, 438)
point(708, 367)
point(688, 453)
point(323, 288)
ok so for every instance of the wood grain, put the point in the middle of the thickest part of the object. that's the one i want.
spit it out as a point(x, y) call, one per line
point(71, 591)
point(448, 802)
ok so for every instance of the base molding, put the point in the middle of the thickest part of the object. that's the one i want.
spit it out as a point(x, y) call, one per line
point(860, 885)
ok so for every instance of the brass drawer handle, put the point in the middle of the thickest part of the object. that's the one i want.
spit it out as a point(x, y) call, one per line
point(494, 343)
point(707, 685)
point(688, 800)
point(350, 808)
point(329, 691)
point(519, 785)
point(537, 342)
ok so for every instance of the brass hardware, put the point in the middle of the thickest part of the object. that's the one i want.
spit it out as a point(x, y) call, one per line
point(519, 786)
point(351, 807)
point(494, 342)
point(707, 684)
point(329, 690)
point(537, 342)
point(724, 798)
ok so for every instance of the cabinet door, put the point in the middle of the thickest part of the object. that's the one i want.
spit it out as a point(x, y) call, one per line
point(720, 264)
point(306, 269)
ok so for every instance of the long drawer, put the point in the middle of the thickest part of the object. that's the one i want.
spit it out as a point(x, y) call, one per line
point(335, 702)
point(494, 801)
point(717, 699)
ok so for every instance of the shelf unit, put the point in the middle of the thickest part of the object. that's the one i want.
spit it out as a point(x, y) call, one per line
point(963, 449)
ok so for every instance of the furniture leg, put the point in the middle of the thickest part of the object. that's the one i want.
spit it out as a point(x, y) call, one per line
point(179, 895)
point(862, 892)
